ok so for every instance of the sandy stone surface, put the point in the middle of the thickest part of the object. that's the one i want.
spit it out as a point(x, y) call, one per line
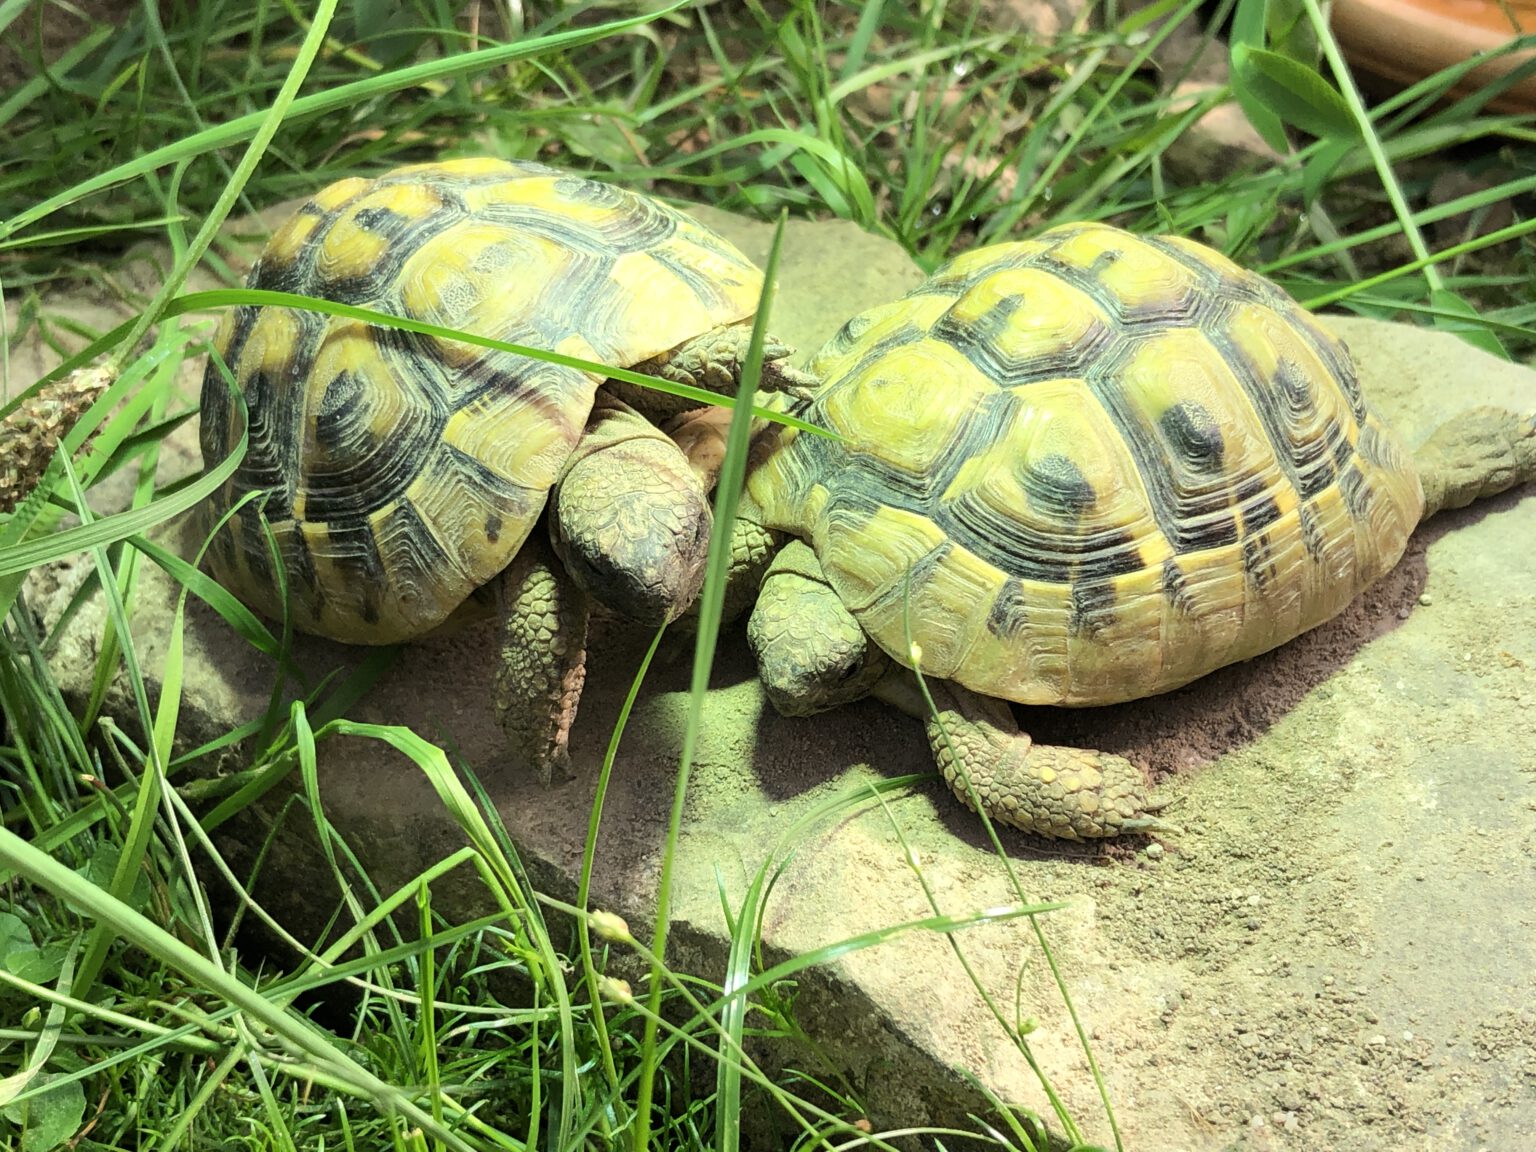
point(1334, 954)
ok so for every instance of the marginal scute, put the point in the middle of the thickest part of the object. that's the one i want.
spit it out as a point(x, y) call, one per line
point(873, 552)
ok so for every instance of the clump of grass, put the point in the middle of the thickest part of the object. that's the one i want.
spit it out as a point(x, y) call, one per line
point(131, 1020)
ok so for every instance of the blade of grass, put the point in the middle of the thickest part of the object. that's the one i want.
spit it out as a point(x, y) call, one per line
point(711, 601)
point(332, 100)
point(53, 877)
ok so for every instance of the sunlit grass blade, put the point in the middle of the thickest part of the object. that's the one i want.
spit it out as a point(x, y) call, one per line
point(122, 921)
point(223, 298)
point(711, 601)
point(320, 103)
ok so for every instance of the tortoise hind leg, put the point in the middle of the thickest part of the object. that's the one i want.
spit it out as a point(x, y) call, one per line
point(1060, 792)
point(1476, 453)
point(543, 662)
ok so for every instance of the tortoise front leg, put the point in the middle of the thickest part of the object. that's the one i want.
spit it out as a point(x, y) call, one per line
point(811, 653)
point(543, 664)
point(630, 518)
point(1060, 792)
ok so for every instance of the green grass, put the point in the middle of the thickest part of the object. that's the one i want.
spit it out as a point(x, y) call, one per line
point(130, 1015)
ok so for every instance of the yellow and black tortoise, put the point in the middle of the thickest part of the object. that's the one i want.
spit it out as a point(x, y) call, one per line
point(401, 475)
point(1079, 470)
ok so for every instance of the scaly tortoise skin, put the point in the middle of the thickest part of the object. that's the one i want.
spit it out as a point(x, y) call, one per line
point(1080, 470)
point(402, 475)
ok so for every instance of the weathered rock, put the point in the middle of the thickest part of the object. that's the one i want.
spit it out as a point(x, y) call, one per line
point(1360, 804)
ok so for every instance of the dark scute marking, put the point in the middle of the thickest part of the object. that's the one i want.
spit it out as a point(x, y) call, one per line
point(216, 401)
point(1184, 512)
point(1117, 556)
point(1160, 312)
point(300, 565)
point(356, 554)
point(1295, 387)
point(493, 527)
point(1357, 493)
point(1175, 588)
point(636, 223)
point(916, 577)
point(416, 558)
point(294, 276)
point(1057, 547)
point(1343, 452)
point(1342, 365)
point(1008, 616)
point(918, 490)
point(1378, 451)
point(363, 473)
point(253, 544)
point(377, 218)
point(1058, 486)
point(979, 338)
point(215, 417)
point(337, 408)
point(1258, 560)
point(1092, 607)
point(1259, 513)
point(703, 286)
point(1286, 403)
point(1104, 261)
point(1311, 531)
point(271, 441)
point(1221, 291)
point(1195, 435)
point(379, 285)
point(580, 190)
point(1319, 472)
point(1209, 532)
point(848, 335)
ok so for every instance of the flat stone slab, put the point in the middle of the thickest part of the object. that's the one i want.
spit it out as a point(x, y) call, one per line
point(1336, 952)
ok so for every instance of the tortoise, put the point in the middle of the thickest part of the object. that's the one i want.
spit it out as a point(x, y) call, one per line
point(1078, 470)
point(401, 475)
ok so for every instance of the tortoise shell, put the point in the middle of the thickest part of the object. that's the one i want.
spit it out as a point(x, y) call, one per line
point(400, 471)
point(1090, 467)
